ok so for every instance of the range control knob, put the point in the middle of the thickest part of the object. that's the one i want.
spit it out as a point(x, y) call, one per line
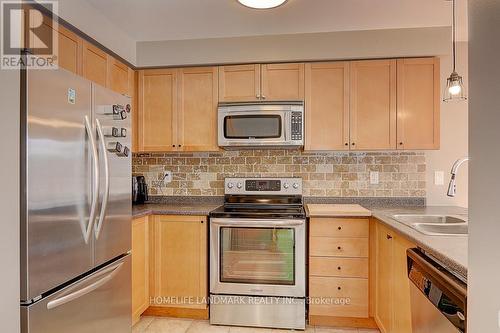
point(239, 185)
point(230, 185)
point(123, 132)
point(127, 108)
point(124, 153)
point(286, 186)
point(295, 185)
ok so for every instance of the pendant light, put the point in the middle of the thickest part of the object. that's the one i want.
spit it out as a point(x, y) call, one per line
point(455, 90)
point(262, 4)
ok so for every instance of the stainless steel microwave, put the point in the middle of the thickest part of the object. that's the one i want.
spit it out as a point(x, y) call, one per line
point(261, 125)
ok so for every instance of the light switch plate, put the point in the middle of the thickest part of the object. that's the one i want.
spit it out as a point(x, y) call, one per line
point(374, 177)
point(438, 178)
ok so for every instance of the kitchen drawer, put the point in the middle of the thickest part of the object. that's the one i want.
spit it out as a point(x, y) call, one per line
point(339, 227)
point(338, 247)
point(344, 297)
point(338, 267)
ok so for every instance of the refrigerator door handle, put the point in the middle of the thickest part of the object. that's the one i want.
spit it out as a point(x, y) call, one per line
point(105, 199)
point(95, 190)
point(84, 291)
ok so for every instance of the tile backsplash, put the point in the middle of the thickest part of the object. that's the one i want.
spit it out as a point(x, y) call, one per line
point(325, 174)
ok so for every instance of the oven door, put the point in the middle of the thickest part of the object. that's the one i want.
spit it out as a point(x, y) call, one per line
point(257, 257)
point(249, 128)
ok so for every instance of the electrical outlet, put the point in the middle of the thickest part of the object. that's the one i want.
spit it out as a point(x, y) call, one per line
point(167, 178)
point(438, 178)
point(374, 177)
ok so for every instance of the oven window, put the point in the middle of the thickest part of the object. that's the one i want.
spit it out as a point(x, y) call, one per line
point(259, 127)
point(257, 255)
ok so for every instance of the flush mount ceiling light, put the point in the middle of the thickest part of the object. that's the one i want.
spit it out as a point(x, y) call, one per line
point(262, 4)
point(455, 90)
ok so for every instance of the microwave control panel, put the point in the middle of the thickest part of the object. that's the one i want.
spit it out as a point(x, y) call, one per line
point(297, 126)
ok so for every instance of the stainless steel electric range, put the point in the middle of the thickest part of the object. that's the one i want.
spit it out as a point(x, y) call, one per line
point(257, 254)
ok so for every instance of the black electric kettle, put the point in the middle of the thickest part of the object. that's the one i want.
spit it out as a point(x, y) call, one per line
point(139, 190)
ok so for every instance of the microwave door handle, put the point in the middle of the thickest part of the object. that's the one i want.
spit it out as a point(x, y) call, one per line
point(95, 191)
point(105, 199)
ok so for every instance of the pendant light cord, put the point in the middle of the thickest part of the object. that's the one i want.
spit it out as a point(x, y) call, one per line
point(454, 38)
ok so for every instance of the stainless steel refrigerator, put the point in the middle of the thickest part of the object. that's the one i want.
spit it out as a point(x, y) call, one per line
point(76, 205)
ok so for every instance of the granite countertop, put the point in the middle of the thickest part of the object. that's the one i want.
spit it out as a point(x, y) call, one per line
point(202, 209)
point(450, 251)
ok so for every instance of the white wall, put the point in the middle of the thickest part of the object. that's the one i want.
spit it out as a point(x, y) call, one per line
point(9, 201)
point(454, 139)
point(382, 43)
point(484, 195)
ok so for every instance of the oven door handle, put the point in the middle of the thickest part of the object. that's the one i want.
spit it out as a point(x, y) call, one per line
point(257, 222)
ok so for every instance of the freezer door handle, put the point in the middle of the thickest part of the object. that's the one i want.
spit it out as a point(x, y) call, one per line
point(114, 270)
point(105, 199)
point(95, 190)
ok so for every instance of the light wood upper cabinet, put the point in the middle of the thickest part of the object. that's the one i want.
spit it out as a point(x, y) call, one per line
point(392, 306)
point(239, 83)
point(197, 114)
point(327, 106)
point(118, 76)
point(69, 46)
point(418, 103)
point(373, 105)
point(133, 82)
point(95, 64)
point(179, 259)
point(282, 82)
point(157, 108)
point(140, 267)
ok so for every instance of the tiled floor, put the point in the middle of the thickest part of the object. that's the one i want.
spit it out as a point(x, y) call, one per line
point(173, 325)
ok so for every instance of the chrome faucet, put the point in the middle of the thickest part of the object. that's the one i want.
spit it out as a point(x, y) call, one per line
point(452, 188)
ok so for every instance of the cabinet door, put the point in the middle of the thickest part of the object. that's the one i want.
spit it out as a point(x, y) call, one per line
point(327, 106)
point(197, 115)
point(157, 107)
point(180, 258)
point(384, 280)
point(140, 267)
point(239, 83)
point(69, 50)
point(401, 286)
point(373, 105)
point(118, 76)
point(282, 82)
point(95, 64)
point(133, 80)
point(418, 103)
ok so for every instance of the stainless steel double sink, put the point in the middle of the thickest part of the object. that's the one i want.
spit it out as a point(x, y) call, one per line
point(436, 225)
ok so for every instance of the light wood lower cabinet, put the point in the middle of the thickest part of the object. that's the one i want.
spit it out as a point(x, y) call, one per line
point(178, 262)
point(339, 282)
point(140, 267)
point(392, 288)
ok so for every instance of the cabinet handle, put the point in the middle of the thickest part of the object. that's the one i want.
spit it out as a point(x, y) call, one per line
point(339, 248)
point(339, 268)
point(201, 222)
point(401, 143)
point(340, 228)
point(339, 288)
point(347, 144)
point(173, 146)
point(179, 146)
point(389, 236)
point(263, 96)
point(353, 144)
point(257, 96)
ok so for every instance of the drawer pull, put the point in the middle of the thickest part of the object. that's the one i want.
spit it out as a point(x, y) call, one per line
point(389, 236)
point(339, 248)
point(339, 288)
point(340, 228)
point(339, 268)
